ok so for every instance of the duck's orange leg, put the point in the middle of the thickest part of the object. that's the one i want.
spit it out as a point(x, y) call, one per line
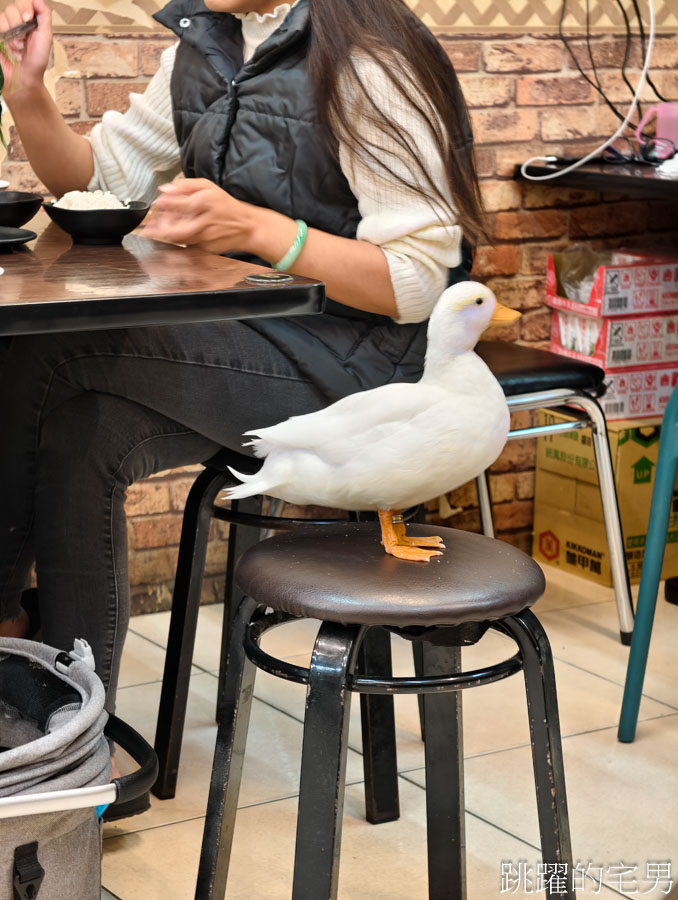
point(398, 544)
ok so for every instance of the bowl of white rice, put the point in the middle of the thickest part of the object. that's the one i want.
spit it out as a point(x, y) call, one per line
point(96, 217)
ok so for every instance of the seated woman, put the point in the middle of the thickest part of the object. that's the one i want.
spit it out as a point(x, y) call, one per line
point(334, 126)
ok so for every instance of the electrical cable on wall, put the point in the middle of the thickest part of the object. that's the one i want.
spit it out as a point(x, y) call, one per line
point(629, 115)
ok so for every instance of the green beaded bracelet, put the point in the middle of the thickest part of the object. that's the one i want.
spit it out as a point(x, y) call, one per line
point(292, 254)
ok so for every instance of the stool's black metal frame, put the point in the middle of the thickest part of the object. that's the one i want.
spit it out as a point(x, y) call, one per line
point(330, 680)
point(201, 509)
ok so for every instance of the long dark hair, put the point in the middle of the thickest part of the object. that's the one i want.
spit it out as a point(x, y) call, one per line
point(388, 32)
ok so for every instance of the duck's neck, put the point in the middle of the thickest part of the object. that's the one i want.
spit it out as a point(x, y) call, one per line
point(447, 343)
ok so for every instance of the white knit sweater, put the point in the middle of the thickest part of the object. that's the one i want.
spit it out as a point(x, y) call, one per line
point(136, 151)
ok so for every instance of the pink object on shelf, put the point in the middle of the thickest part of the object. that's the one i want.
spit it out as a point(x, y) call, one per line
point(667, 121)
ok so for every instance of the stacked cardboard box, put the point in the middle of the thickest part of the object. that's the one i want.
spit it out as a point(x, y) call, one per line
point(569, 529)
point(628, 325)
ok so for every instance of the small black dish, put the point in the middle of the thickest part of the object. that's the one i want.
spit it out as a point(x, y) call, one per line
point(14, 237)
point(17, 207)
point(98, 226)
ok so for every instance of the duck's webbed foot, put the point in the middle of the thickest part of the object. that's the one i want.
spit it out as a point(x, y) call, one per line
point(398, 544)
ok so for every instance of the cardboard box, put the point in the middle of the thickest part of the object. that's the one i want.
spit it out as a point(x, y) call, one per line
point(616, 343)
point(569, 528)
point(640, 283)
point(638, 393)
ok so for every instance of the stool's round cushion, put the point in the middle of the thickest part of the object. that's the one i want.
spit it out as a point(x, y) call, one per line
point(341, 573)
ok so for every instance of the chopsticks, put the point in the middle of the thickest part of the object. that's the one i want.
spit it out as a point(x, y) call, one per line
point(18, 30)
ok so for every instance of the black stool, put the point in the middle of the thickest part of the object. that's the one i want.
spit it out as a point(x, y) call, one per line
point(341, 575)
point(530, 378)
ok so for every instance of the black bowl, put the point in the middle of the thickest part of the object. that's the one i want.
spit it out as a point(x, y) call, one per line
point(98, 226)
point(17, 207)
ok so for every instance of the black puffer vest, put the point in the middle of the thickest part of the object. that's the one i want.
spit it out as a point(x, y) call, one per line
point(254, 130)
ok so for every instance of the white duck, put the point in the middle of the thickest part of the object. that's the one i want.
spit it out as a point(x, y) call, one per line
point(400, 444)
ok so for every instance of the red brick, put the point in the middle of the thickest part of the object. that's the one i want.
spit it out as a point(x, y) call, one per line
point(156, 531)
point(500, 195)
point(501, 487)
point(151, 52)
point(669, 85)
point(469, 520)
point(538, 223)
point(574, 122)
point(486, 161)
point(607, 52)
point(105, 95)
point(511, 155)
point(464, 496)
point(101, 58)
point(523, 56)
point(524, 418)
point(536, 196)
point(487, 90)
point(68, 96)
point(534, 257)
point(516, 456)
point(519, 293)
point(502, 259)
point(608, 218)
point(498, 127)
point(537, 90)
point(536, 325)
point(179, 489)
point(518, 514)
point(662, 217)
point(81, 127)
point(147, 497)
point(464, 55)
point(665, 53)
point(520, 539)
point(506, 333)
point(524, 485)
point(151, 566)
point(617, 91)
point(15, 149)
point(22, 178)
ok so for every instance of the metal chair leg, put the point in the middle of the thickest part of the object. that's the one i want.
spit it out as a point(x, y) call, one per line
point(608, 496)
point(655, 544)
point(547, 752)
point(485, 504)
point(240, 539)
point(444, 755)
point(183, 624)
point(229, 755)
point(378, 732)
point(323, 764)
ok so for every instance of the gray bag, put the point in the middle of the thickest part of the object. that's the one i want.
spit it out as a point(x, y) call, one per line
point(55, 771)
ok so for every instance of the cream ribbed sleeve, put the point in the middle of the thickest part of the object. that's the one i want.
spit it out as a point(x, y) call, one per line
point(136, 151)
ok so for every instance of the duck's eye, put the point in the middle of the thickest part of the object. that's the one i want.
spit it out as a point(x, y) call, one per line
point(479, 301)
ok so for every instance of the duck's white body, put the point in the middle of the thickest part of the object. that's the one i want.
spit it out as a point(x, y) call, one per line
point(401, 444)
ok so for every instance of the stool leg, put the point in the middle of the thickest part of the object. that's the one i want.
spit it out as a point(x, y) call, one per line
point(380, 763)
point(485, 503)
point(655, 545)
point(608, 496)
point(547, 751)
point(323, 763)
point(229, 754)
point(444, 754)
point(183, 623)
point(240, 538)
point(418, 657)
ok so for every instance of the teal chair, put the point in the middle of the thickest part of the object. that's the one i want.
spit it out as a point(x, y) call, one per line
point(662, 494)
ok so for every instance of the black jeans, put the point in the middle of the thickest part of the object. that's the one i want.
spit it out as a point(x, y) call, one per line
point(83, 416)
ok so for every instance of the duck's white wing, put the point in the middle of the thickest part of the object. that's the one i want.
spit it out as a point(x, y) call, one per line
point(356, 415)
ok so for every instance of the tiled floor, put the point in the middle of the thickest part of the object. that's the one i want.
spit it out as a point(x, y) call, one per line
point(623, 798)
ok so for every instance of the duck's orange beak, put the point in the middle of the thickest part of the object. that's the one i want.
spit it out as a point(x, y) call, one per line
point(503, 315)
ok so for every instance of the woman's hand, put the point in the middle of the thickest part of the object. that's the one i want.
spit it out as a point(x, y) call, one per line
point(31, 52)
point(197, 212)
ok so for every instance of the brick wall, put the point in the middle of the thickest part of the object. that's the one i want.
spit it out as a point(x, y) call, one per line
point(526, 97)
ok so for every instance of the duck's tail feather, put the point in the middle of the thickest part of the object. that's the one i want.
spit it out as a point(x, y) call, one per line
point(261, 482)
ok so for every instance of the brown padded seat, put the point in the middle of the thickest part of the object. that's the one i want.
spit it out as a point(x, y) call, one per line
point(342, 574)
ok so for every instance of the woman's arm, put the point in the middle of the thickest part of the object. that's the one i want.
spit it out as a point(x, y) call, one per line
point(195, 211)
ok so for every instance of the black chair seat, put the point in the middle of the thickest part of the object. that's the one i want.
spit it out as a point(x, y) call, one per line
point(526, 370)
point(342, 574)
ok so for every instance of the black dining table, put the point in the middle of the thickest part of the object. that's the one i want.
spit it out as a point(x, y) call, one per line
point(52, 284)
